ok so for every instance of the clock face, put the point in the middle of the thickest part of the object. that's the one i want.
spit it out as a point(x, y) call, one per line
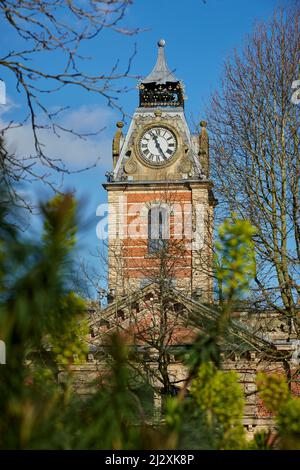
point(158, 145)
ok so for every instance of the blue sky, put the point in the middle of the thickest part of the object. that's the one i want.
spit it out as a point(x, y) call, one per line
point(199, 37)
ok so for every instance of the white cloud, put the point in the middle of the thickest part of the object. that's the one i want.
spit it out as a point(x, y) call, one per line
point(88, 118)
point(7, 107)
point(68, 147)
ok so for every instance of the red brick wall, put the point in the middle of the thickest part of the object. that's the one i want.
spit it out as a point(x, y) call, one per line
point(137, 262)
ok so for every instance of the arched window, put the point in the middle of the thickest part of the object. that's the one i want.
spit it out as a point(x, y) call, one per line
point(158, 228)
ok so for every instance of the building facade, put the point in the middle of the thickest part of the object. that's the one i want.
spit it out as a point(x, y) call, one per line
point(159, 193)
point(160, 282)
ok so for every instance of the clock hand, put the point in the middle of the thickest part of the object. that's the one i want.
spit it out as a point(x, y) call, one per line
point(160, 150)
point(158, 145)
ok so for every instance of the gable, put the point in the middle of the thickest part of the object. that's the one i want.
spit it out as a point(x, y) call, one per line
point(143, 319)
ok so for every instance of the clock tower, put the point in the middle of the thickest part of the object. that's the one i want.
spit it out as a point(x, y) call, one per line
point(159, 194)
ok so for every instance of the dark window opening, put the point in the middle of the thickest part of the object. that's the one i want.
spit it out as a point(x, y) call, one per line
point(158, 229)
point(121, 314)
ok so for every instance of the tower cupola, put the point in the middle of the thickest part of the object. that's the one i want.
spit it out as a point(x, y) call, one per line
point(161, 87)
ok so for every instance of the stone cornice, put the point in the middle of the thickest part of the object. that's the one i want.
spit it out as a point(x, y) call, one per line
point(151, 184)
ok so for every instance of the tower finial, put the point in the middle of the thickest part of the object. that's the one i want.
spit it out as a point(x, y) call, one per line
point(161, 72)
point(204, 148)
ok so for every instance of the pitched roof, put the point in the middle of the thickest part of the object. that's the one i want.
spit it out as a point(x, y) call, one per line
point(161, 72)
point(197, 314)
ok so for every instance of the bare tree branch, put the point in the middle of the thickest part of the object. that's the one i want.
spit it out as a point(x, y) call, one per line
point(57, 29)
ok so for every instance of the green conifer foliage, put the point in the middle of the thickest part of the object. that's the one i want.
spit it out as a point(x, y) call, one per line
point(277, 398)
